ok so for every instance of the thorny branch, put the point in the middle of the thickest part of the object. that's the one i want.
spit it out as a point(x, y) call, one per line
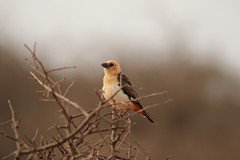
point(91, 139)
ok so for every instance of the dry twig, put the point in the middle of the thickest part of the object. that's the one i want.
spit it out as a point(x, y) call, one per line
point(87, 140)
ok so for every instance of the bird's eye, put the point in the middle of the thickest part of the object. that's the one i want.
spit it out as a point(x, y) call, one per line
point(111, 64)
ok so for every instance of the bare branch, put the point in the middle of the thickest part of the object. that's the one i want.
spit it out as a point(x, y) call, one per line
point(6, 122)
point(60, 69)
point(8, 136)
point(71, 84)
point(60, 96)
point(100, 133)
point(14, 128)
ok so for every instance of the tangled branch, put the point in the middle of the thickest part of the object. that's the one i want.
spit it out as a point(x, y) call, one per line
point(108, 128)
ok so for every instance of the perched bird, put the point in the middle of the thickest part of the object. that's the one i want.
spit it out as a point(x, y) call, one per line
point(118, 87)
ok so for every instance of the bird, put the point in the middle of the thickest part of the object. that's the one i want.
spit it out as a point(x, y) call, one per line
point(119, 89)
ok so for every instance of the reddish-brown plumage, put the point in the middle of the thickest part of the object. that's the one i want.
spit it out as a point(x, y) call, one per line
point(136, 108)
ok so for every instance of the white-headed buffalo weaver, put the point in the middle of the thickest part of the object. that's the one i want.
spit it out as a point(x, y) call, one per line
point(114, 82)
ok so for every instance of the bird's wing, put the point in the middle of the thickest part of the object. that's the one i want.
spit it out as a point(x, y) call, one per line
point(132, 95)
point(128, 88)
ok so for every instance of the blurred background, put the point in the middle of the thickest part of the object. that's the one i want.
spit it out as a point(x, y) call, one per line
point(189, 48)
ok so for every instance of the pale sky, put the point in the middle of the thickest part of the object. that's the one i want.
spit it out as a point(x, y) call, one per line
point(100, 27)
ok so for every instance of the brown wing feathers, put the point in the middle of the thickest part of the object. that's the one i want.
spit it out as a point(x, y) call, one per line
point(132, 95)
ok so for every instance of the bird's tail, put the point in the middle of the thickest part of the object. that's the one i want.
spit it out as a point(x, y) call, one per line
point(145, 114)
point(136, 106)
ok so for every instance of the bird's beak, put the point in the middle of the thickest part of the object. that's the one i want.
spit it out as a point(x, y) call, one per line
point(105, 65)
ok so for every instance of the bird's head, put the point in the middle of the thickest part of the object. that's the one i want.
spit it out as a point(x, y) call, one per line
point(111, 67)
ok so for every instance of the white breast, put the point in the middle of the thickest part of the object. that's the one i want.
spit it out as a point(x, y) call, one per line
point(111, 88)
